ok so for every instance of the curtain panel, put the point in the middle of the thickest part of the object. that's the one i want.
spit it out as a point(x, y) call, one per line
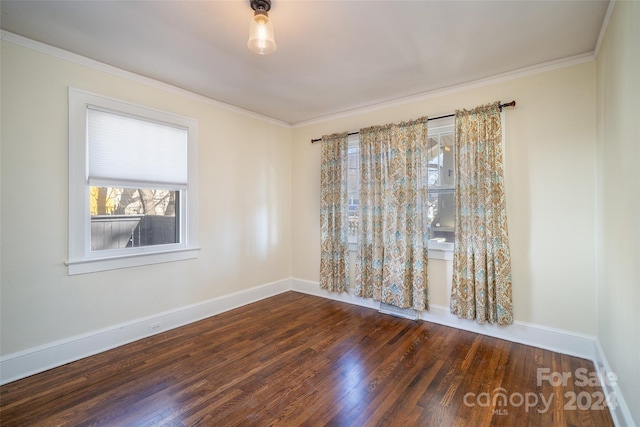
point(391, 262)
point(334, 245)
point(481, 288)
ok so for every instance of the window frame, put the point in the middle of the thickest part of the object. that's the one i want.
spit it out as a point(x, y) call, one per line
point(81, 258)
point(442, 126)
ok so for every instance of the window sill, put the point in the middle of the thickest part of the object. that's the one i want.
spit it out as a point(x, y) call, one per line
point(444, 254)
point(126, 261)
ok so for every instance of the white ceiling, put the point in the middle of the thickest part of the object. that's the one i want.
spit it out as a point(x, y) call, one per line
point(332, 56)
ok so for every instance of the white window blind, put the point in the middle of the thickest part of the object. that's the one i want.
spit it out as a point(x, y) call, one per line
point(128, 151)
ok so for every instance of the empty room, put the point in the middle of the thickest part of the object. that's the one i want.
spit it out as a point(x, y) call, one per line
point(345, 213)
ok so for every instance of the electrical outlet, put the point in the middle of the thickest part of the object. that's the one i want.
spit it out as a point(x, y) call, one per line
point(155, 327)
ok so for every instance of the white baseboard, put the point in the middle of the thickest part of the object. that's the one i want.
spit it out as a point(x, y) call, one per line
point(620, 412)
point(38, 359)
point(313, 288)
point(552, 339)
point(557, 340)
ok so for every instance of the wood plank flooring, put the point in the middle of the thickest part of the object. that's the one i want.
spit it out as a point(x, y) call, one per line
point(296, 359)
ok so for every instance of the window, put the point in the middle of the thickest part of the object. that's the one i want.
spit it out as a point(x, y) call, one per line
point(132, 185)
point(440, 185)
point(353, 187)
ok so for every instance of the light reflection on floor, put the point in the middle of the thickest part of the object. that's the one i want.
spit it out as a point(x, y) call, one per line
point(351, 382)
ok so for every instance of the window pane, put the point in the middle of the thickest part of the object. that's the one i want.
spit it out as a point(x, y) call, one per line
point(127, 217)
point(441, 216)
point(440, 158)
point(446, 166)
point(434, 158)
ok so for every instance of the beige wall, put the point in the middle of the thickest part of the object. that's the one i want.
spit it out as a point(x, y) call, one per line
point(618, 199)
point(259, 200)
point(244, 207)
point(550, 185)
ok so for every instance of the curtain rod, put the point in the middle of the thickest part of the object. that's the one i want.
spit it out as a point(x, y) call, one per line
point(506, 104)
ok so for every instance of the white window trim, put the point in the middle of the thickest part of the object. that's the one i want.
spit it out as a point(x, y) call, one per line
point(81, 258)
point(438, 250)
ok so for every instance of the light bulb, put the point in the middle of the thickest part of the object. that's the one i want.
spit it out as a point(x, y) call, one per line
point(261, 39)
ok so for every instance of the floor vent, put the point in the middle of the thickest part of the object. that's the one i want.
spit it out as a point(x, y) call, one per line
point(407, 313)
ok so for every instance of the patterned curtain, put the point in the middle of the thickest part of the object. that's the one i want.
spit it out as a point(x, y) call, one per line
point(391, 263)
point(334, 245)
point(481, 262)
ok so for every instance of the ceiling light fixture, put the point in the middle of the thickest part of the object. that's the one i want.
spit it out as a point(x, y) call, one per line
point(261, 39)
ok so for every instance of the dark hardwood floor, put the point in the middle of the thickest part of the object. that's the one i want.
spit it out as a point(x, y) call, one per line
point(295, 359)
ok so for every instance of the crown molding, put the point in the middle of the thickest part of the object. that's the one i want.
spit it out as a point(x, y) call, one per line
point(603, 28)
point(118, 72)
point(511, 75)
point(499, 78)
